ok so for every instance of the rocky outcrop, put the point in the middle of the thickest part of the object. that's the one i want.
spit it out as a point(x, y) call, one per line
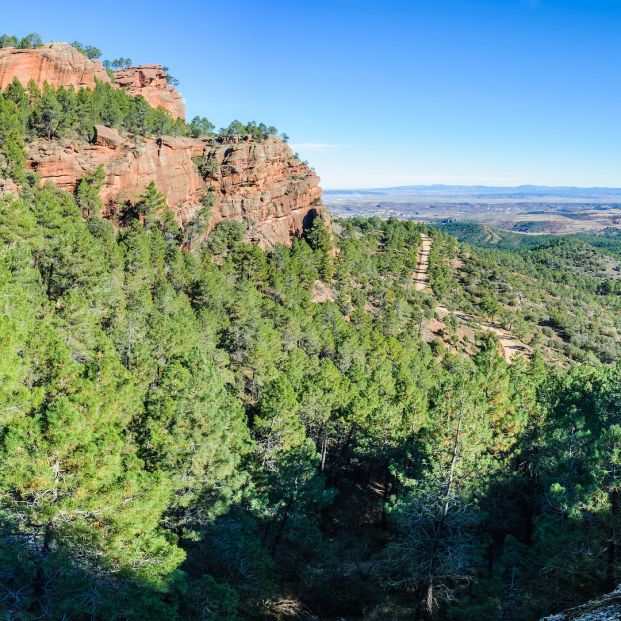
point(62, 64)
point(55, 63)
point(605, 608)
point(129, 167)
point(107, 137)
point(259, 183)
point(151, 82)
point(263, 184)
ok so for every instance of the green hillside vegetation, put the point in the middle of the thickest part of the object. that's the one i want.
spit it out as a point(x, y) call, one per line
point(486, 236)
point(63, 112)
point(561, 293)
point(188, 433)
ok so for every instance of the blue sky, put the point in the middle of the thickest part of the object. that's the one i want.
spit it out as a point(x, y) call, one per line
point(500, 92)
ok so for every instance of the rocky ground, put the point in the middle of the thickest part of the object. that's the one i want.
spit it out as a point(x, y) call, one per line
point(606, 608)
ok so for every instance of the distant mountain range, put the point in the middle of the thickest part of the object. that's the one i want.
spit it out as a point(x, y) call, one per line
point(439, 191)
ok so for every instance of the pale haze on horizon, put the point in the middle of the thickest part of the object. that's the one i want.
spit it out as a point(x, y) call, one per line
point(503, 92)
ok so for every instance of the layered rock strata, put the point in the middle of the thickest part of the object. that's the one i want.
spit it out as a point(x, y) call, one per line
point(60, 64)
point(259, 183)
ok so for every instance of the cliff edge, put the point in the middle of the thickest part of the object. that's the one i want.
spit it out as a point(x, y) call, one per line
point(255, 180)
point(60, 64)
point(261, 184)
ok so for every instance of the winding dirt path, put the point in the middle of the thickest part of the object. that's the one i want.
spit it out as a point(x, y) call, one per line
point(421, 275)
point(509, 343)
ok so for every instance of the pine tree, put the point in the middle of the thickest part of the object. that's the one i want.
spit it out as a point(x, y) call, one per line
point(319, 239)
point(12, 155)
point(151, 205)
point(87, 193)
point(47, 115)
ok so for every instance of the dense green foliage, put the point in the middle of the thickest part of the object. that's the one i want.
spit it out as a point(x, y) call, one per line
point(189, 435)
point(56, 113)
point(488, 237)
point(118, 63)
point(27, 42)
point(64, 112)
point(256, 130)
point(90, 51)
point(198, 429)
point(561, 294)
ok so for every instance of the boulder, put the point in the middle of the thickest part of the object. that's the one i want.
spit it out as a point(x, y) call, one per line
point(107, 137)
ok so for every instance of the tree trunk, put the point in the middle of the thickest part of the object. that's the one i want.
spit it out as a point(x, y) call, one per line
point(429, 599)
point(428, 604)
point(281, 527)
point(385, 496)
point(451, 476)
point(324, 445)
point(38, 585)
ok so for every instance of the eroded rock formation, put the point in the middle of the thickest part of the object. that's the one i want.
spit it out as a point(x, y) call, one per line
point(150, 81)
point(259, 183)
point(263, 184)
point(55, 63)
point(62, 64)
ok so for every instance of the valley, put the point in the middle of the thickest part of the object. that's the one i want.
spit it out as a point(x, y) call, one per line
point(531, 210)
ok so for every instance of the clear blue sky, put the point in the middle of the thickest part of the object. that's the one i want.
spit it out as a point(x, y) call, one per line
point(387, 92)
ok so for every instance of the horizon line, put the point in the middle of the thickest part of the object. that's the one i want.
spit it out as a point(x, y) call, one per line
point(473, 185)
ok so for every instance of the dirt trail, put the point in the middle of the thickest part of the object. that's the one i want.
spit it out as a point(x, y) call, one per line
point(509, 344)
point(421, 275)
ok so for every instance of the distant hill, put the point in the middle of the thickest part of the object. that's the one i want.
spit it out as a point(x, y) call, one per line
point(474, 191)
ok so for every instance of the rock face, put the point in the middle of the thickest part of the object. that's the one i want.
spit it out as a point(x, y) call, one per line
point(61, 64)
point(130, 167)
point(263, 184)
point(605, 608)
point(258, 183)
point(56, 63)
point(150, 82)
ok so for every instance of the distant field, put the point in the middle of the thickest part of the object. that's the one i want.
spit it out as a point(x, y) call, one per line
point(529, 209)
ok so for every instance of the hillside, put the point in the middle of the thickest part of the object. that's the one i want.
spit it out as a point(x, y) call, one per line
point(217, 404)
point(566, 286)
point(606, 608)
point(79, 117)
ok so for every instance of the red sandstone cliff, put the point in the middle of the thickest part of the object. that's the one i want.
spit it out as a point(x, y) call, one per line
point(55, 63)
point(61, 64)
point(259, 183)
point(265, 185)
point(150, 81)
